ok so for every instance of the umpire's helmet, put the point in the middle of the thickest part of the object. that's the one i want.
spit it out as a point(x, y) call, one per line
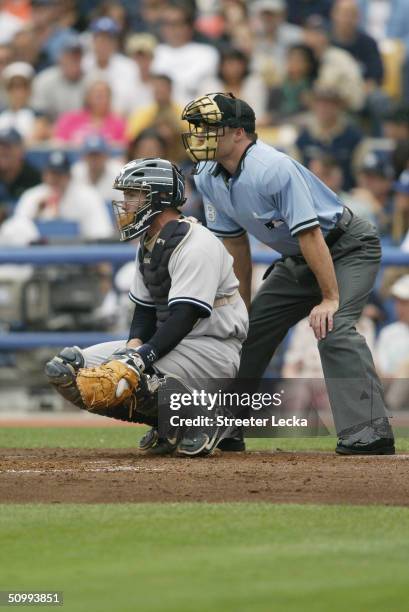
point(155, 184)
point(208, 116)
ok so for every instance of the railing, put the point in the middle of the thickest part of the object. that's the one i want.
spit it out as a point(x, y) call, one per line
point(116, 254)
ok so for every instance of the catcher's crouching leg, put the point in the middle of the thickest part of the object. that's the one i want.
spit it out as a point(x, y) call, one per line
point(61, 372)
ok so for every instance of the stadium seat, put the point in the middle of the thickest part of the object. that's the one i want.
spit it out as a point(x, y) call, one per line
point(58, 228)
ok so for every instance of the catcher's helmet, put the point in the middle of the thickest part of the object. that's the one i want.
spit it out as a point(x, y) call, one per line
point(155, 184)
point(208, 117)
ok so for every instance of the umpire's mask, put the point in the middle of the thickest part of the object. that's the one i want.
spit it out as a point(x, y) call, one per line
point(208, 117)
point(149, 186)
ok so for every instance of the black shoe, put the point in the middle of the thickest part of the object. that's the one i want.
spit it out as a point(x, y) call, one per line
point(372, 439)
point(152, 444)
point(232, 445)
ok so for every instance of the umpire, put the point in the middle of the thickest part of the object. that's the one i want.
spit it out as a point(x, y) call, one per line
point(330, 258)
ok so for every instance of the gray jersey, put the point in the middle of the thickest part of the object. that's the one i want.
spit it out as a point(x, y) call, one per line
point(201, 272)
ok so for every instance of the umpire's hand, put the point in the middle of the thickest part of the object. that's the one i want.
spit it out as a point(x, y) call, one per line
point(321, 317)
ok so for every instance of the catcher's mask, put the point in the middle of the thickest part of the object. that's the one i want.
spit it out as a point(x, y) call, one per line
point(208, 117)
point(149, 185)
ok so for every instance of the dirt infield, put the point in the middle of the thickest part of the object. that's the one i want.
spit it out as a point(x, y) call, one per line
point(113, 476)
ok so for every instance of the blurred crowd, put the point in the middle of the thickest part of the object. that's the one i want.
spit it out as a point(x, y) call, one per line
point(86, 85)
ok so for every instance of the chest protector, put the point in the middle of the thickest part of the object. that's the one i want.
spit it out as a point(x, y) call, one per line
point(154, 265)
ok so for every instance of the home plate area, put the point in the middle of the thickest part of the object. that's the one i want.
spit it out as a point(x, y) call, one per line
point(122, 475)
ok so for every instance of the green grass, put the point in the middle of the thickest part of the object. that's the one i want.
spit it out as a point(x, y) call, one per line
point(219, 557)
point(127, 437)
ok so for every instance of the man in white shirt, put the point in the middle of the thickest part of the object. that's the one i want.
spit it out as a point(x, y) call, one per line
point(105, 62)
point(96, 168)
point(61, 88)
point(186, 62)
point(61, 197)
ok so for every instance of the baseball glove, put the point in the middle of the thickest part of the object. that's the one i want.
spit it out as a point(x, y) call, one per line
point(107, 385)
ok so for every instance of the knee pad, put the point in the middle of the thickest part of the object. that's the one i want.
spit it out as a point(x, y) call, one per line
point(61, 372)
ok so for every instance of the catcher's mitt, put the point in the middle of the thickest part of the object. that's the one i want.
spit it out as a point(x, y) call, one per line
point(107, 385)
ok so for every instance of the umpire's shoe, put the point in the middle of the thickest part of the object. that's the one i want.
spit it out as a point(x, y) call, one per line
point(152, 444)
point(374, 438)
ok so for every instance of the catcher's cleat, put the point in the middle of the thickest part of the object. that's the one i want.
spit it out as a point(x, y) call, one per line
point(148, 440)
point(152, 444)
point(198, 445)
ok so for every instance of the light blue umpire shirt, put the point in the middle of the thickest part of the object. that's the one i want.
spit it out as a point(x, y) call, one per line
point(271, 196)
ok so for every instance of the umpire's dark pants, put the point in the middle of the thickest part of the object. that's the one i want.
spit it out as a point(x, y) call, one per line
point(288, 295)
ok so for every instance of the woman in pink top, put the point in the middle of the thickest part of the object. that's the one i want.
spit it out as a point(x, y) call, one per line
point(97, 116)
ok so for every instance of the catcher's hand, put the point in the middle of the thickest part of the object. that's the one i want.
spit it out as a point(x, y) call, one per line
point(107, 385)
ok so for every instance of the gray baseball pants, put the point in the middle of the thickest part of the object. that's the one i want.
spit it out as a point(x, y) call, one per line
point(288, 295)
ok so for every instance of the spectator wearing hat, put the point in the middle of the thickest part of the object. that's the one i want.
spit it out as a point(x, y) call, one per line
point(59, 196)
point(336, 67)
point(96, 116)
point(400, 221)
point(163, 115)
point(141, 48)
point(273, 36)
point(236, 77)
point(96, 168)
point(19, 112)
point(106, 62)
point(186, 62)
point(329, 131)
point(392, 349)
point(16, 174)
point(374, 190)
point(61, 88)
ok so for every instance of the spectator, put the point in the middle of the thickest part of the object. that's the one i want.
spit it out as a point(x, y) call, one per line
point(96, 116)
point(398, 27)
point(49, 22)
point(140, 48)
point(329, 131)
point(149, 143)
point(60, 89)
point(329, 171)
point(19, 113)
point(299, 12)
point(186, 62)
point(164, 115)
point(97, 168)
point(9, 24)
point(59, 196)
point(293, 95)
point(396, 123)
point(374, 190)
point(400, 221)
point(16, 174)
point(336, 66)
point(273, 38)
point(105, 62)
point(347, 35)
point(235, 76)
point(392, 349)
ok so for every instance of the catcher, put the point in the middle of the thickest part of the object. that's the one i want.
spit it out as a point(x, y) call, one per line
point(189, 321)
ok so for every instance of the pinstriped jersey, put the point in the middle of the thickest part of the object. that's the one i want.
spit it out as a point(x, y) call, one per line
point(271, 196)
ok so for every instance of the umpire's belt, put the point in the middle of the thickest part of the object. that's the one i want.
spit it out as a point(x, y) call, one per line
point(340, 228)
